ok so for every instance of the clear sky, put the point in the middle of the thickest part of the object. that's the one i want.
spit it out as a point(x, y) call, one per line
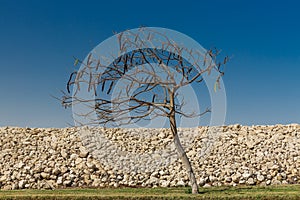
point(38, 40)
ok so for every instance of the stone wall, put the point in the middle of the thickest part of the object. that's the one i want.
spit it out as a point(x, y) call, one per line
point(240, 155)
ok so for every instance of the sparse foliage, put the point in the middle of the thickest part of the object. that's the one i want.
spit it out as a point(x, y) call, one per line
point(150, 79)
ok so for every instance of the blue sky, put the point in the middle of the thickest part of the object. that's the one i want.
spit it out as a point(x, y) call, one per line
point(38, 40)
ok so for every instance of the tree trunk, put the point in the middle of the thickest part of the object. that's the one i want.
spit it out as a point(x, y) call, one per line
point(181, 153)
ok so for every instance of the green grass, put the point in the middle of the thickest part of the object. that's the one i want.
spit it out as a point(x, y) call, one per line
point(271, 192)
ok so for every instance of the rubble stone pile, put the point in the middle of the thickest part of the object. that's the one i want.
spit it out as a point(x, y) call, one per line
point(48, 158)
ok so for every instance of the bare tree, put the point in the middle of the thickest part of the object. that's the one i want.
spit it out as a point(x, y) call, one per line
point(150, 77)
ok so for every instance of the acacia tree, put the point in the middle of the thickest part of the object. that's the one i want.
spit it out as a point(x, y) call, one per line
point(150, 79)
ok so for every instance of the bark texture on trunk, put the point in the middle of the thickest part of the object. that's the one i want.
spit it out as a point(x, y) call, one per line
point(181, 153)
